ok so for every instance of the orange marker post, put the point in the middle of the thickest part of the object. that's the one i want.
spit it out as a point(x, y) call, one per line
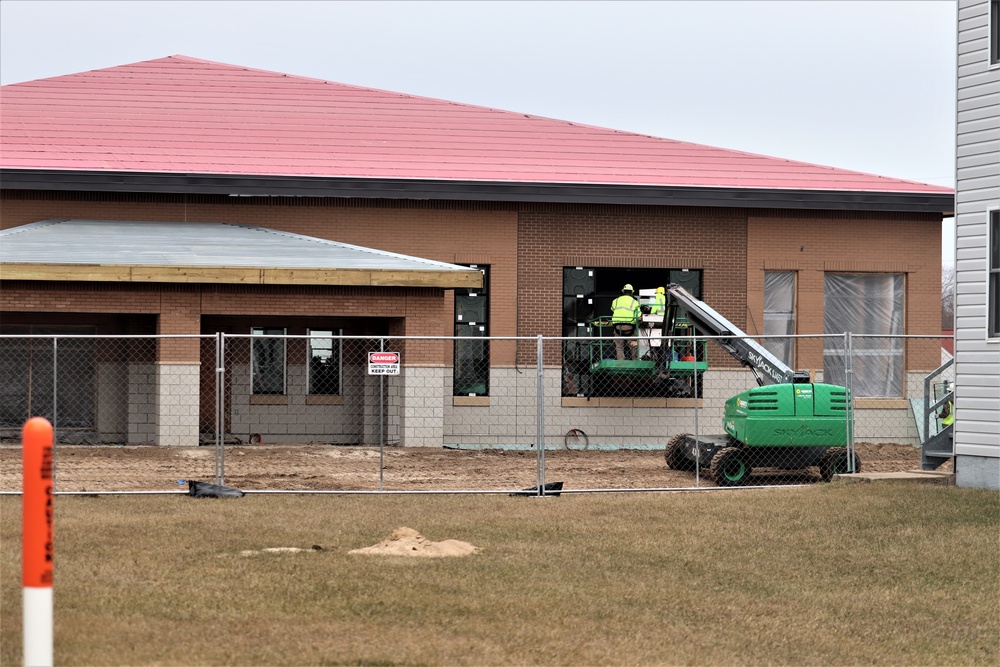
point(37, 552)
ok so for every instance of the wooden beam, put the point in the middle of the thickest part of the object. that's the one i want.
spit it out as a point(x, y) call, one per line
point(64, 272)
point(116, 273)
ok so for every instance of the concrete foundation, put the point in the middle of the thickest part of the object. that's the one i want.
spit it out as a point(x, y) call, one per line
point(977, 472)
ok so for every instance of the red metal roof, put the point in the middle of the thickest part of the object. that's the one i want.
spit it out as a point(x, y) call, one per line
point(186, 115)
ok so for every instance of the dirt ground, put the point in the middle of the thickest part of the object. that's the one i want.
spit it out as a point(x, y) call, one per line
point(87, 468)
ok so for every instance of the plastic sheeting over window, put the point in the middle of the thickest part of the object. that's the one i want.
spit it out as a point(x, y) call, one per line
point(779, 314)
point(865, 304)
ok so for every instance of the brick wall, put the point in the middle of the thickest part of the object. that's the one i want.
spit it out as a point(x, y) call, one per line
point(457, 232)
point(814, 243)
point(526, 246)
point(553, 237)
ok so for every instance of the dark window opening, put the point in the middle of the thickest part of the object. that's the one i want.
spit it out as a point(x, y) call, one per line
point(594, 367)
point(268, 360)
point(325, 362)
point(471, 375)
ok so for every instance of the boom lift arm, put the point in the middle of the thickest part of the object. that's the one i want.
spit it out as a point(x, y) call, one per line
point(766, 368)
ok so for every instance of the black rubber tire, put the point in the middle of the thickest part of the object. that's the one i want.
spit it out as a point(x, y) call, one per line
point(730, 467)
point(836, 462)
point(674, 454)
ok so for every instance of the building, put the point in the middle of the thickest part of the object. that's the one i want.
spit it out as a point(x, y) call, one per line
point(523, 225)
point(977, 261)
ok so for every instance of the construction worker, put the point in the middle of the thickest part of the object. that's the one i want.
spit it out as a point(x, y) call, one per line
point(624, 315)
point(659, 306)
point(947, 414)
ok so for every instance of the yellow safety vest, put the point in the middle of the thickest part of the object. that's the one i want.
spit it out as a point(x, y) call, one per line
point(660, 306)
point(625, 310)
point(950, 418)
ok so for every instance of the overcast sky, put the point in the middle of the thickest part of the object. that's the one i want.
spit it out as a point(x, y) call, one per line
point(866, 85)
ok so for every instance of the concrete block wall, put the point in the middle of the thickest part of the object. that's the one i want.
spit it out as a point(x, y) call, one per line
point(177, 404)
point(112, 402)
point(383, 408)
point(892, 425)
point(511, 416)
point(423, 405)
point(290, 419)
point(142, 402)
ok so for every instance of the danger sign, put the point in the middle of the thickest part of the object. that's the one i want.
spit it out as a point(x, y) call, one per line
point(383, 363)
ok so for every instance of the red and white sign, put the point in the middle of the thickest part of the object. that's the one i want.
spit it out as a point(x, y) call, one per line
point(383, 363)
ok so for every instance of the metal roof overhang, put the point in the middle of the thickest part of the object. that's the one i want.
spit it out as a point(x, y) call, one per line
point(163, 252)
point(453, 190)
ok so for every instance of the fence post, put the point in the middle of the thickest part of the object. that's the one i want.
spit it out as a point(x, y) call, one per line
point(849, 376)
point(540, 419)
point(220, 407)
point(697, 428)
point(55, 403)
point(381, 423)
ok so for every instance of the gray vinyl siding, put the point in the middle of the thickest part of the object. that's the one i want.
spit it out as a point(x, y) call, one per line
point(977, 180)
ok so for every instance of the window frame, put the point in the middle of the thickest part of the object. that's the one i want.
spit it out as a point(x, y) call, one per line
point(484, 327)
point(336, 348)
point(993, 47)
point(586, 298)
point(993, 274)
point(268, 333)
point(832, 350)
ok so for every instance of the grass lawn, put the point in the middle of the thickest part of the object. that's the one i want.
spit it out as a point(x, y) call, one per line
point(838, 574)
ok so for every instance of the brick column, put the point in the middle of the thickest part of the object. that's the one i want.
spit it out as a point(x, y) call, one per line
point(809, 313)
point(178, 367)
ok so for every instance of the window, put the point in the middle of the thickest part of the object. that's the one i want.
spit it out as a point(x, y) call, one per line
point(865, 304)
point(779, 314)
point(993, 289)
point(994, 32)
point(587, 296)
point(588, 292)
point(472, 351)
point(325, 362)
point(267, 360)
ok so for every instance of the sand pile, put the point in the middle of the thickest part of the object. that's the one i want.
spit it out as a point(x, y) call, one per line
point(408, 542)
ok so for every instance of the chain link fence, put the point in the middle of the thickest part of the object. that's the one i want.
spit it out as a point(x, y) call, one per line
point(325, 412)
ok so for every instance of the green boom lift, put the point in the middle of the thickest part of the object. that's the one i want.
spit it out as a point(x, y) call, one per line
point(785, 422)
